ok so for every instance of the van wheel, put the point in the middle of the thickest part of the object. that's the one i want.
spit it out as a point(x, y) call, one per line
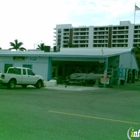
point(39, 84)
point(11, 84)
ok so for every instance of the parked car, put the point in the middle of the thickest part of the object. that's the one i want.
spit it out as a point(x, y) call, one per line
point(20, 76)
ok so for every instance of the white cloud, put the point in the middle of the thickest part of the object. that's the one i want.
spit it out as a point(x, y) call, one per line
point(30, 21)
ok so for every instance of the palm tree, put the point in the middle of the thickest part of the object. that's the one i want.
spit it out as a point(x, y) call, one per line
point(70, 45)
point(41, 46)
point(17, 45)
point(136, 51)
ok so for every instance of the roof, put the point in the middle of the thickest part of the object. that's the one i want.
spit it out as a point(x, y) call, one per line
point(95, 51)
point(20, 67)
point(70, 52)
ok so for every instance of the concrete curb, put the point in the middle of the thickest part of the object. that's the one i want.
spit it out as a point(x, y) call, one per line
point(71, 88)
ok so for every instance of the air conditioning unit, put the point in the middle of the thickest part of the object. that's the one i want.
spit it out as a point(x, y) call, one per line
point(47, 49)
point(56, 49)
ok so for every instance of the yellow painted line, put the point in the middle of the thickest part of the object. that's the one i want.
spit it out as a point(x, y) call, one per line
point(94, 117)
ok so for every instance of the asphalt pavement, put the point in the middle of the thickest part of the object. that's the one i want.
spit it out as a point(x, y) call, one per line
point(69, 113)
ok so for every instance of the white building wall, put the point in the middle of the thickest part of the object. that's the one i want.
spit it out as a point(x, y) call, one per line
point(128, 61)
point(62, 27)
point(130, 35)
point(1, 67)
point(41, 69)
point(39, 65)
point(62, 36)
point(90, 41)
point(125, 61)
point(4, 60)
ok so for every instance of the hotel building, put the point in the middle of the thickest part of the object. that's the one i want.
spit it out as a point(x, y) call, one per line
point(125, 35)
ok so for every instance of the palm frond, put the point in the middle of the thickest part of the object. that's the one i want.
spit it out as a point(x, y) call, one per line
point(20, 44)
point(12, 44)
point(22, 49)
point(17, 45)
point(11, 49)
point(41, 46)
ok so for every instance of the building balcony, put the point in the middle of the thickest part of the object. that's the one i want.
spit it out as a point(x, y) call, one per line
point(80, 39)
point(120, 30)
point(137, 27)
point(120, 33)
point(101, 28)
point(98, 31)
point(135, 42)
point(103, 38)
point(100, 34)
point(65, 43)
point(66, 35)
point(119, 38)
point(138, 33)
point(80, 31)
point(119, 43)
point(103, 43)
point(80, 42)
point(65, 39)
point(100, 45)
point(80, 34)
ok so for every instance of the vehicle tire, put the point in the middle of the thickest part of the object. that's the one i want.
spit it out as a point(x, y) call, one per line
point(24, 86)
point(39, 84)
point(12, 84)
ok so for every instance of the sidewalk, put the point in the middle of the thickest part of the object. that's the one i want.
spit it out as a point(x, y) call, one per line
point(126, 86)
point(72, 88)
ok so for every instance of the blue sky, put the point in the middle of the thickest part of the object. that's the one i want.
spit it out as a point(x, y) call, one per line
point(33, 21)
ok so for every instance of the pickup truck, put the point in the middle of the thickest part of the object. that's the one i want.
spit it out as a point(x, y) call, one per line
point(20, 76)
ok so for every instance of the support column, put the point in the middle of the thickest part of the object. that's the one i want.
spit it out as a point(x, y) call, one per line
point(49, 69)
point(106, 67)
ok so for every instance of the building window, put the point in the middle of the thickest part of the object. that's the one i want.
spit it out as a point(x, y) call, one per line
point(59, 30)
point(27, 66)
point(6, 66)
point(66, 29)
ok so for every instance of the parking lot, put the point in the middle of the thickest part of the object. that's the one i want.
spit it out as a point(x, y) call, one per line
point(72, 113)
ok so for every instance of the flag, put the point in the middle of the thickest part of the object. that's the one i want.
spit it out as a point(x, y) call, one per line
point(136, 8)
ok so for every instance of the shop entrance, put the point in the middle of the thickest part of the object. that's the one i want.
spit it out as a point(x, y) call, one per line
point(62, 69)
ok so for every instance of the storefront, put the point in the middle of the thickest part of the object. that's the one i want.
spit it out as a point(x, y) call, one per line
point(117, 63)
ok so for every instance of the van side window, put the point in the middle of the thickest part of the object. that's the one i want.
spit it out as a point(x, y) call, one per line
point(24, 71)
point(18, 71)
point(30, 72)
point(14, 71)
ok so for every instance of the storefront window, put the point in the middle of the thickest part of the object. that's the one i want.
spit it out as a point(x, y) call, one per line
point(6, 66)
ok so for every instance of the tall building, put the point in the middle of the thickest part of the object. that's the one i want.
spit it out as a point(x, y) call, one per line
point(125, 35)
